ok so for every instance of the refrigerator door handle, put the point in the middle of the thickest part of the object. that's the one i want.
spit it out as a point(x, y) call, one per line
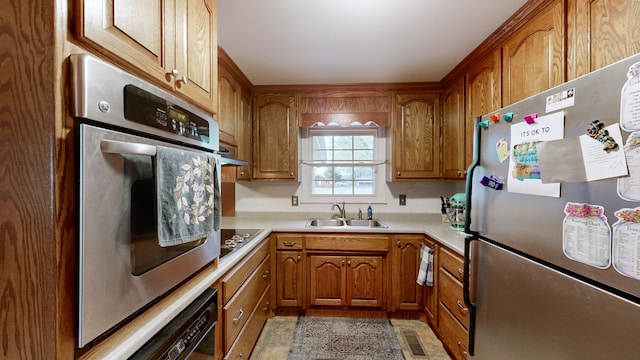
point(466, 286)
point(471, 235)
point(470, 171)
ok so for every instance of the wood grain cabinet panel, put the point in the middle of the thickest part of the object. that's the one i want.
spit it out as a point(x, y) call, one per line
point(290, 279)
point(415, 128)
point(275, 134)
point(430, 293)
point(346, 280)
point(228, 106)
point(406, 294)
point(483, 94)
point(175, 45)
point(245, 302)
point(454, 137)
point(600, 33)
point(533, 57)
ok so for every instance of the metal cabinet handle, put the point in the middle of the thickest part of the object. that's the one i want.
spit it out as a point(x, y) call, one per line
point(398, 244)
point(461, 307)
point(398, 173)
point(461, 272)
point(291, 243)
point(265, 275)
point(299, 258)
point(266, 306)
point(291, 173)
point(237, 319)
point(349, 262)
point(176, 74)
point(122, 147)
point(462, 348)
point(342, 262)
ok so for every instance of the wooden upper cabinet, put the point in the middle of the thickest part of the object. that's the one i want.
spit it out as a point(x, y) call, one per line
point(228, 106)
point(197, 51)
point(533, 57)
point(601, 32)
point(454, 161)
point(173, 42)
point(275, 129)
point(415, 137)
point(245, 136)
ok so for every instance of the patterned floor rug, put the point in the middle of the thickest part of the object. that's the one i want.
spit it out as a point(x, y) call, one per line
point(330, 338)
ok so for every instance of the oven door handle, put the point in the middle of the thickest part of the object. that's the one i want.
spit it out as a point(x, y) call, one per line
point(121, 147)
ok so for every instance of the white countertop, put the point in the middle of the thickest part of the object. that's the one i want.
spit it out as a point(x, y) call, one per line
point(428, 224)
point(124, 342)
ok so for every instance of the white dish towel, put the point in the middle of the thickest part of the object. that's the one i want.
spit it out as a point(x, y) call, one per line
point(425, 274)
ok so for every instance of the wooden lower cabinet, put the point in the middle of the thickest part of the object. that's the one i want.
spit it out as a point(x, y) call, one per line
point(245, 301)
point(289, 279)
point(453, 315)
point(346, 280)
point(452, 333)
point(430, 293)
point(406, 294)
point(290, 270)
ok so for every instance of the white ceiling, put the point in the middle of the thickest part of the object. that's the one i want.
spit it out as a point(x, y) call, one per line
point(278, 42)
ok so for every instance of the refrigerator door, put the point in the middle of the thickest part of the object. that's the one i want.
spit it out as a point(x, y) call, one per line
point(534, 224)
point(529, 311)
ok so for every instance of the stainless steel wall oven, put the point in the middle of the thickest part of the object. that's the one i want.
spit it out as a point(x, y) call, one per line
point(147, 221)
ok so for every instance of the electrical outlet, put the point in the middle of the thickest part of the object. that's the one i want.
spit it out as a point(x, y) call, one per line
point(403, 200)
point(294, 200)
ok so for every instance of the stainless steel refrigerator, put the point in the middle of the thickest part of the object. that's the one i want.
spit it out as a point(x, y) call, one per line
point(539, 287)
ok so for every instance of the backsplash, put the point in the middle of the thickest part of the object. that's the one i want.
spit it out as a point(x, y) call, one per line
point(422, 197)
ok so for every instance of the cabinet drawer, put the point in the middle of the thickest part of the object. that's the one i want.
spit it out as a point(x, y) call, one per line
point(241, 349)
point(451, 296)
point(232, 281)
point(236, 312)
point(452, 263)
point(289, 241)
point(452, 333)
point(336, 242)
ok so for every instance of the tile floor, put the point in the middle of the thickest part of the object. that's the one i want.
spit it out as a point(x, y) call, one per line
point(275, 339)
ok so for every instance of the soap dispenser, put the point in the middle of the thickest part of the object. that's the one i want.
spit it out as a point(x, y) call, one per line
point(369, 212)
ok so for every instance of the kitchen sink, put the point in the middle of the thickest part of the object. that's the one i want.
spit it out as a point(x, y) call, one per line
point(366, 223)
point(345, 223)
point(325, 222)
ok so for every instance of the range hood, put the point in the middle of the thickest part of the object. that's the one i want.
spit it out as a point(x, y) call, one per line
point(228, 157)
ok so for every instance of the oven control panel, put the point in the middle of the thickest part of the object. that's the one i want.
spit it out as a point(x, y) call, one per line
point(148, 109)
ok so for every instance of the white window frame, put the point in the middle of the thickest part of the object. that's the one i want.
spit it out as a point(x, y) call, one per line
point(378, 197)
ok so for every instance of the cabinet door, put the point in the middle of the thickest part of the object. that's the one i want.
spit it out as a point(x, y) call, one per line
point(365, 281)
point(116, 27)
point(430, 293)
point(275, 154)
point(406, 293)
point(454, 163)
point(245, 136)
point(228, 105)
point(533, 57)
point(600, 33)
point(327, 280)
point(416, 137)
point(483, 94)
point(197, 51)
point(289, 278)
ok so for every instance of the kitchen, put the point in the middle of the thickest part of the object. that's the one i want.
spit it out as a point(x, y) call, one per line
point(38, 254)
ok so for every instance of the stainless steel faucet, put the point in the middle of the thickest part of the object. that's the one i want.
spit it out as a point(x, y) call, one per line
point(343, 212)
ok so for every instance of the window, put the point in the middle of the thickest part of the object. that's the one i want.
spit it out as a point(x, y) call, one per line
point(342, 163)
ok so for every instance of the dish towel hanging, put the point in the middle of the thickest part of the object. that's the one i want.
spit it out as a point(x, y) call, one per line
point(187, 195)
point(425, 274)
